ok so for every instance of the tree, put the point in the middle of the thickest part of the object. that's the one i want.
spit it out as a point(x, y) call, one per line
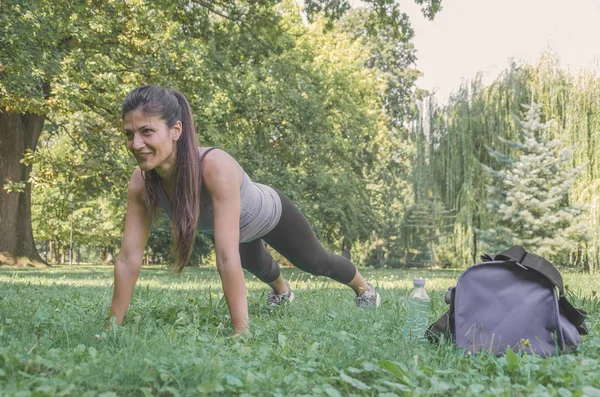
point(42, 43)
point(390, 59)
point(529, 197)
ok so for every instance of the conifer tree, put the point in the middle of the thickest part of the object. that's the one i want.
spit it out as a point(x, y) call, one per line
point(528, 199)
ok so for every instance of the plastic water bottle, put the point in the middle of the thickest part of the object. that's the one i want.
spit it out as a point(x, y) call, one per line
point(418, 312)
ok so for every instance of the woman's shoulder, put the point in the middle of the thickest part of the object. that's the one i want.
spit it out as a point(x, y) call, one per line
point(136, 182)
point(214, 156)
point(212, 151)
point(217, 165)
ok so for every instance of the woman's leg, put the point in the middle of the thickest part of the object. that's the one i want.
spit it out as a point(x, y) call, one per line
point(294, 238)
point(257, 260)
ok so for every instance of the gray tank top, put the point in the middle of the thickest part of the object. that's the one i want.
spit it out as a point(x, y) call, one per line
point(260, 208)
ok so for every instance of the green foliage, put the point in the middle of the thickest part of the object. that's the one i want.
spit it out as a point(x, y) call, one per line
point(455, 249)
point(176, 340)
point(528, 199)
point(78, 185)
point(160, 242)
point(382, 12)
point(27, 26)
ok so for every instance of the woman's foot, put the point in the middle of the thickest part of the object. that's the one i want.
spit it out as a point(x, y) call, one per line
point(274, 299)
point(368, 298)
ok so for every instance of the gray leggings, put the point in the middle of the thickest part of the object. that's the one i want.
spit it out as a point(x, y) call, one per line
point(294, 238)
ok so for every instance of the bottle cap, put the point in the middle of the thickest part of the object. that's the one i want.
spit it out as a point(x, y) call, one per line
point(419, 282)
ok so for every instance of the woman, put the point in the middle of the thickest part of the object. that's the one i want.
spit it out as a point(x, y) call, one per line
point(205, 189)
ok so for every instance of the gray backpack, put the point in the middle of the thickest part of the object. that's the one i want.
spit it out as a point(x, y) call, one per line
point(510, 300)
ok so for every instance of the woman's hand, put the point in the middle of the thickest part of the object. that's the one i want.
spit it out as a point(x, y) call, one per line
point(112, 323)
point(240, 332)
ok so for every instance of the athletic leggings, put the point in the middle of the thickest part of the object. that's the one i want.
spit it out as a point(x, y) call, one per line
point(294, 238)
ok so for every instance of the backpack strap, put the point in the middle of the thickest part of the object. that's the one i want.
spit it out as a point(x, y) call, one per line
point(575, 316)
point(438, 329)
point(535, 262)
point(547, 269)
point(442, 326)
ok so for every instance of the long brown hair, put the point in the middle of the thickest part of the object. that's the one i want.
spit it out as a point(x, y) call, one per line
point(172, 106)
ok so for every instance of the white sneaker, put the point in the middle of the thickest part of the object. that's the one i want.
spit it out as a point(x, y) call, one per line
point(277, 300)
point(368, 298)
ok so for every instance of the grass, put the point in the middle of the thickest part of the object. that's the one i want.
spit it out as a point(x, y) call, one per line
point(176, 340)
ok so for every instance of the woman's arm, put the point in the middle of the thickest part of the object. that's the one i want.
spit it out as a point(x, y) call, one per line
point(138, 220)
point(222, 177)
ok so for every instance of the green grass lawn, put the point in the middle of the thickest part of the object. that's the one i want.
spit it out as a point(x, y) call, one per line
point(176, 340)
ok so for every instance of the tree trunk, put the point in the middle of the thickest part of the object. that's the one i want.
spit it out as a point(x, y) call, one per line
point(109, 254)
point(346, 248)
point(380, 256)
point(18, 132)
point(53, 252)
point(103, 254)
point(78, 254)
point(476, 225)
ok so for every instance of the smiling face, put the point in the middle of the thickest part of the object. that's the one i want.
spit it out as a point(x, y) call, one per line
point(151, 141)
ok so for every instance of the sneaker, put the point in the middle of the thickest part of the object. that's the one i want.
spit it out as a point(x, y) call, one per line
point(277, 300)
point(368, 298)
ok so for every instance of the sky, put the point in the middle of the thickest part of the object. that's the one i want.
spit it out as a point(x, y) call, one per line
point(471, 36)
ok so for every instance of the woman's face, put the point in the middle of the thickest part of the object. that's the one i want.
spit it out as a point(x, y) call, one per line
point(150, 141)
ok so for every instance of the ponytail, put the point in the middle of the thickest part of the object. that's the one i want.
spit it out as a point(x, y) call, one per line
point(186, 205)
